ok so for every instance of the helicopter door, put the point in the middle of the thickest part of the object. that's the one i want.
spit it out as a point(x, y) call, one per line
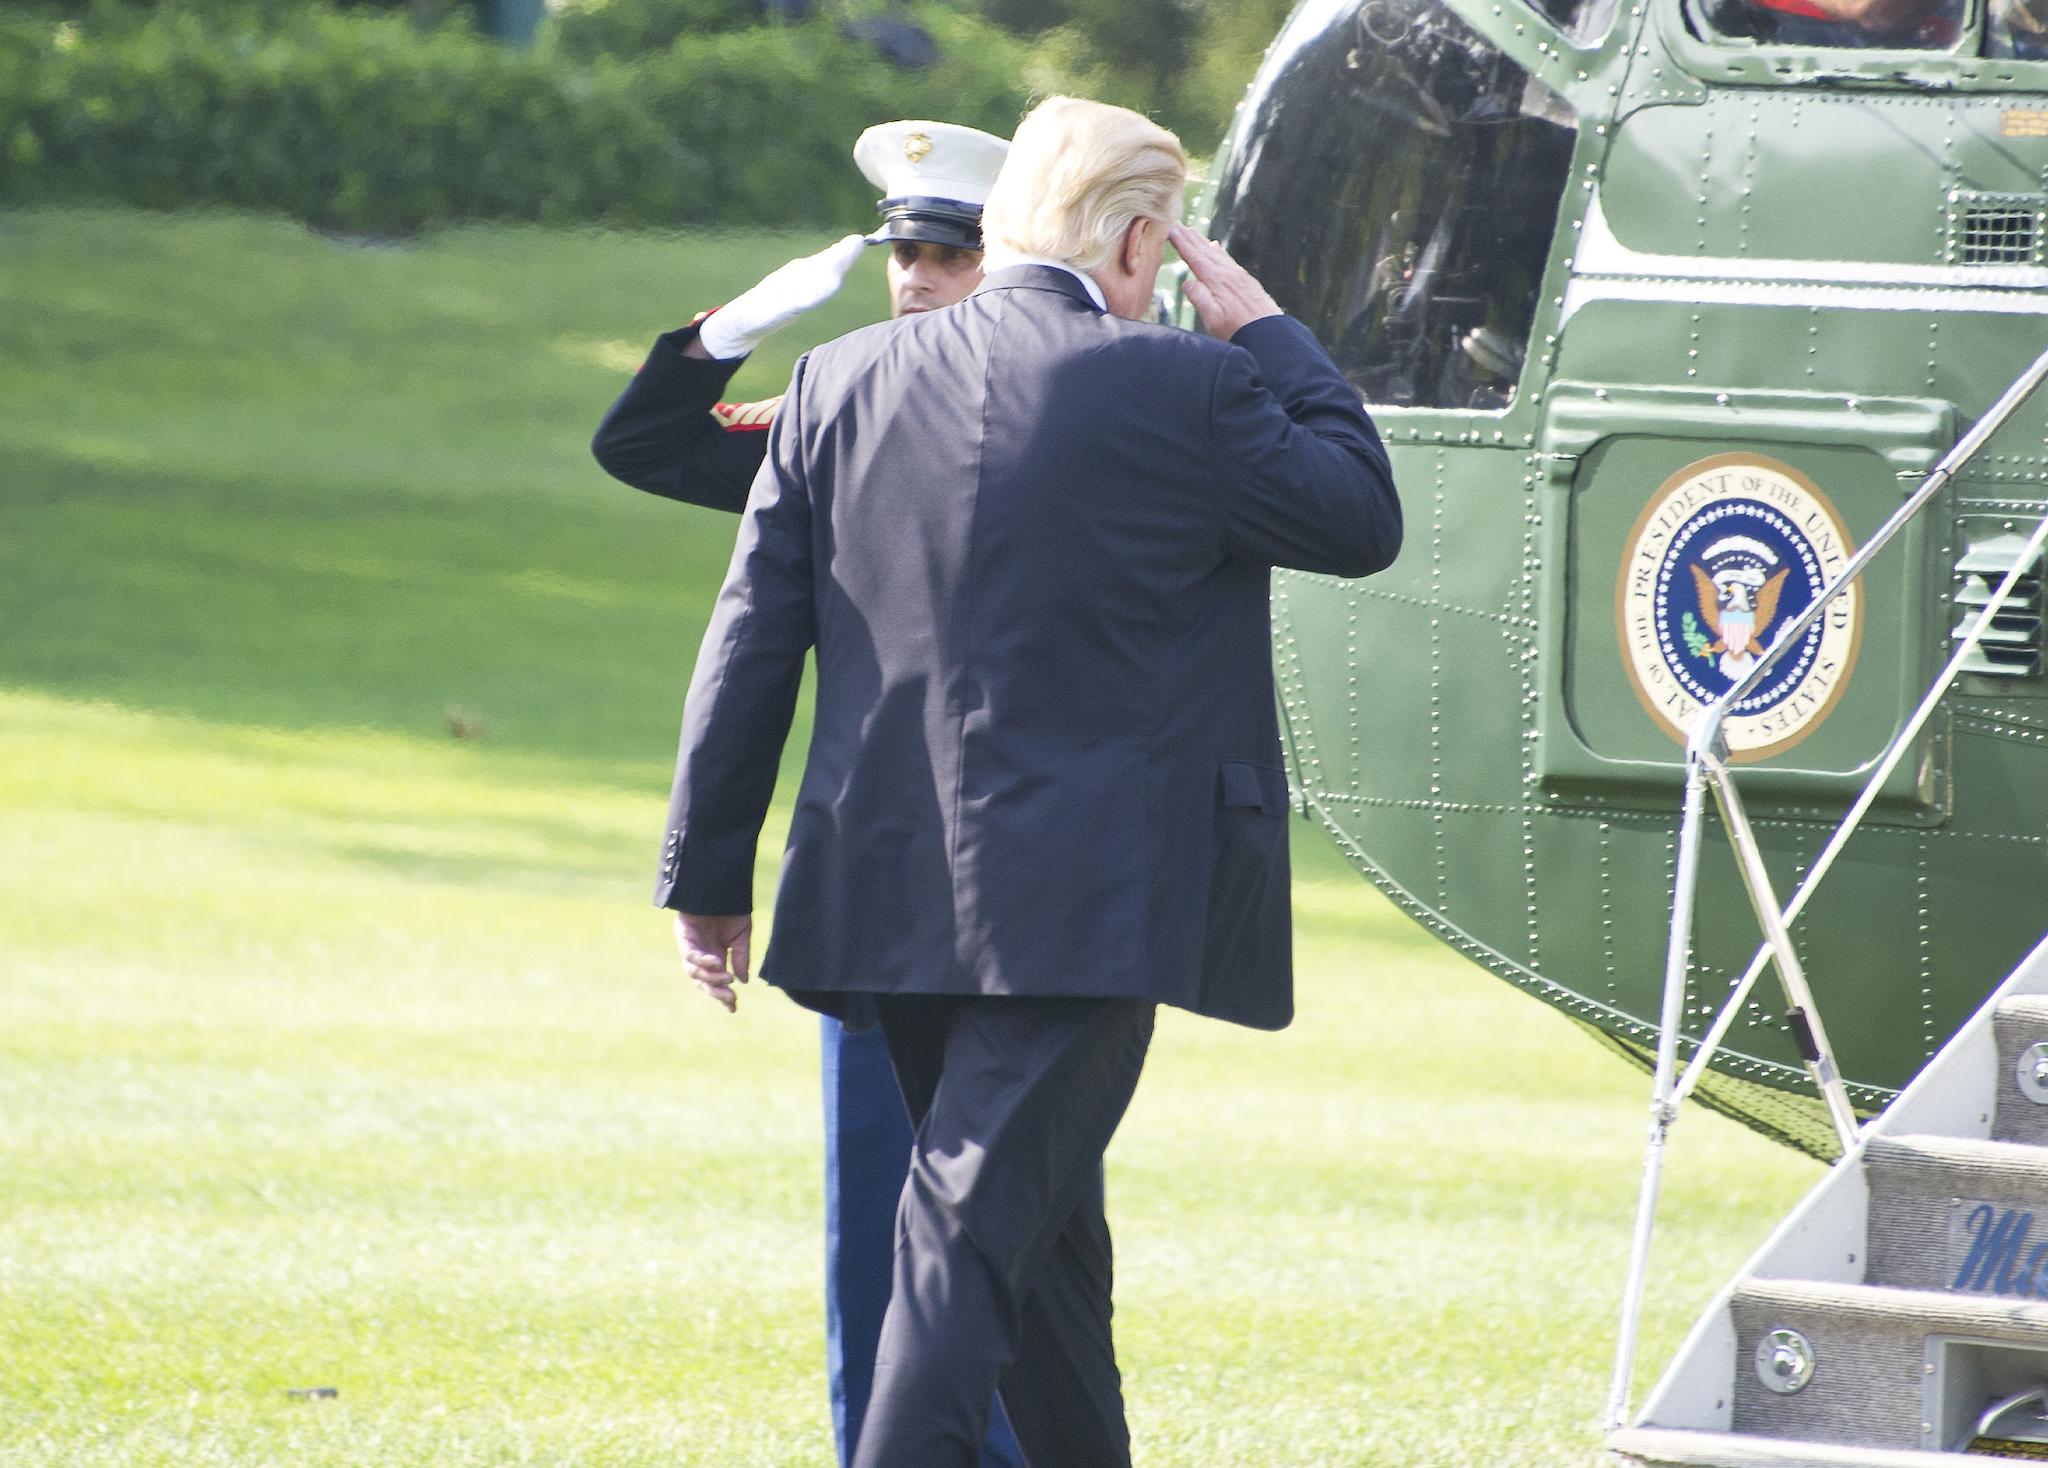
point(1692, 524)
point(1398, 177)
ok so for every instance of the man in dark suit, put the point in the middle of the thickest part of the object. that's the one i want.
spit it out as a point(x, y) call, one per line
point(1029, 537)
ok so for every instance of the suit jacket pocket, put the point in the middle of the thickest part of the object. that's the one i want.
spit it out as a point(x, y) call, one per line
point(1245, 937)
point(1246, 786)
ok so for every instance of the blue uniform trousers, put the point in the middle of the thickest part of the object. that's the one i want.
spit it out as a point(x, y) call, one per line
point(867, 1156)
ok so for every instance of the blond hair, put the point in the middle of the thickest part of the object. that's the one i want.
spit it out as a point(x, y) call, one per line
point(1078, 173)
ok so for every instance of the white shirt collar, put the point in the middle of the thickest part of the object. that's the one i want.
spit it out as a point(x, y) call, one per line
point(995, 258)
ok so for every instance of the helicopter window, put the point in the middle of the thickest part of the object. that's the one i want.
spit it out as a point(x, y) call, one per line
point(1395, 182)
point(1583, 21)
point(1918, 25)
point(2019, 29)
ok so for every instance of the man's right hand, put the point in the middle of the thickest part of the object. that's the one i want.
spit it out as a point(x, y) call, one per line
point(715, 951)
point(739, 326)
point(1225, 295)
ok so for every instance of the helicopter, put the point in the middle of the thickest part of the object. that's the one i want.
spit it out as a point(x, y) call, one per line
point(1660, 318)
point(1703, 336)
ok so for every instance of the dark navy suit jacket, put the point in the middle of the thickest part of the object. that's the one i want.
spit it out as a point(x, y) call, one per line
point(1030, 543)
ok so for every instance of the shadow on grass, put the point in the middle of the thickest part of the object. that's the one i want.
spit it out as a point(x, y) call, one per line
point(575, 857)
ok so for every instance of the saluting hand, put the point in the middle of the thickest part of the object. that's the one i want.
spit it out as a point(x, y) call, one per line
point(715, 951)
point(1225, 295)
point(784, 294)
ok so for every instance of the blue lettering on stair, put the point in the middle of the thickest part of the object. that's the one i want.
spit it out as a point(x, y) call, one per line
point(1996, 1238)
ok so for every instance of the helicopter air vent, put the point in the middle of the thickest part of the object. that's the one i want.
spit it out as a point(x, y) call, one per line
point(2011, 646)
point(1996, 229)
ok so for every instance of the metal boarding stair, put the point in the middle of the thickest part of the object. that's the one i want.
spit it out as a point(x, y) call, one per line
point(1904, 1303)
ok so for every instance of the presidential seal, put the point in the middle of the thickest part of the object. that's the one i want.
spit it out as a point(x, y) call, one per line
point(1728, 551)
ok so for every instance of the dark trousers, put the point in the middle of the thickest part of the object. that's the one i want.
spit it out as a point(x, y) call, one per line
point(1002, 1276)
point(867, 1151)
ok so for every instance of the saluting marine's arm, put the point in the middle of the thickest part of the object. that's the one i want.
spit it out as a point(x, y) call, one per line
point(668, 433)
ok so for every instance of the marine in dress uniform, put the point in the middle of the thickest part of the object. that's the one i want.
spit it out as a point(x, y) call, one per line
point(670, 433)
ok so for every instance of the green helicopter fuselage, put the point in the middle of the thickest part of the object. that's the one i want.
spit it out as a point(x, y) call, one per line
point(1663, 311)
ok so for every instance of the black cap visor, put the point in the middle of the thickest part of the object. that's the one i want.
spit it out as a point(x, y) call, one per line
point(933, 221)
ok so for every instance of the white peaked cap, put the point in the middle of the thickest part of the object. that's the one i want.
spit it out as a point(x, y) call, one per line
point(930, 160)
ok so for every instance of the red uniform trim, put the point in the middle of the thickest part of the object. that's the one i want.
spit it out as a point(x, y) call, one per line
point(1795, 7)
point(747, 417)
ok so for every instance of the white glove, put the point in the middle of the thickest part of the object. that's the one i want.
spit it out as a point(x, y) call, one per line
point(737, 327)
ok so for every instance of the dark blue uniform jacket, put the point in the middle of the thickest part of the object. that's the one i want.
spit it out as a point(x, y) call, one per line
point(1030, 543)
point(669, 434)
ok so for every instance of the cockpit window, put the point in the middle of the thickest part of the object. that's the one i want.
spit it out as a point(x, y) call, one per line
point(1395, 181)
point(2019, 29)
point(1913, 25)
point(1583, 21)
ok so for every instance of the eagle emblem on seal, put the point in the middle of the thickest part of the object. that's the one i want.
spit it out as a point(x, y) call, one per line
point(1738, 596)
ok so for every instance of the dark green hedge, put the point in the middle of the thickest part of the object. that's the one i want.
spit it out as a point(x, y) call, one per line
point(367, 122)
point(633, 27)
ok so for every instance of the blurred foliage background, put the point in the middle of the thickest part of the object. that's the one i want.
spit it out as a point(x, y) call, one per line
point(388, 116)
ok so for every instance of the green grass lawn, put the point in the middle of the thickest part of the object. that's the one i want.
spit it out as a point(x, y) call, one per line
point(339, 1052)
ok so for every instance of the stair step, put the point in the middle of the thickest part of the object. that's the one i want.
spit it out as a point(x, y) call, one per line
point(1870, 1350)
point(2023, 1322)
point(2026, 1007)
point(1944, 1155)
point(1662, 1445)
point(1951, 1213)
point(2019, 1021)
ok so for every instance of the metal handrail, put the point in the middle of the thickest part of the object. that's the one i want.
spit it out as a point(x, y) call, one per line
point(1706, 763)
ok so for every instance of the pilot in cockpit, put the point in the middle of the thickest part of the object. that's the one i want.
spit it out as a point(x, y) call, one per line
point(1890, 24)
point(2017, 28)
